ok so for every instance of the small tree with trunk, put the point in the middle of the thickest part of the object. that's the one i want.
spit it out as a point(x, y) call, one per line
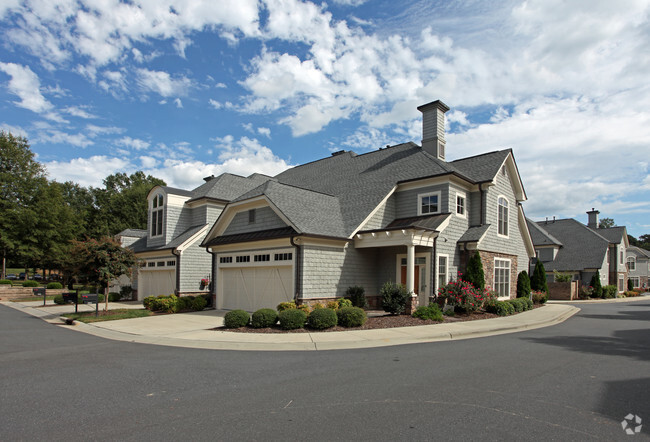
point(102, 260)
point(474, 272)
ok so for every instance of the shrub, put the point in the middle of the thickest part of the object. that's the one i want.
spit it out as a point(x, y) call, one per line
point(305, 308)
point(236, 319)
point(523, 285)
point(538, 280)
point(168, 304)
point(431, 311)
point(393, 298)
point(562, 277)
point(519, 307)
point(322, 318)
point(5, 282)
point(351, 316)
point(609, 291)
point(114, 297)
point(540, 298)
point(630, 285)
point(342, 302)
point(501, 308)
point(632, 293)
point(317, 306)
point(126, 292)
point(463, 296)
point(199, 303)
point(474, 273)
point(449, 312)
point(357, 296)
point(291, 319)
point(586, 292)
point(286, 306)
point(208, 299)
point(597, 286)
point(147, 302)
point(58, 299)
point(333, 305)
point(527, 303)
point(54, 286)
point(264, 317)
point(30, 284)
point(185, 303)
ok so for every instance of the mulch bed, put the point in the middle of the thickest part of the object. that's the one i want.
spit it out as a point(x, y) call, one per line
point(373, 322)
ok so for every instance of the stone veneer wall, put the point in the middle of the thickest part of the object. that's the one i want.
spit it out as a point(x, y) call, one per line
point(487, 258)
point(563, 290)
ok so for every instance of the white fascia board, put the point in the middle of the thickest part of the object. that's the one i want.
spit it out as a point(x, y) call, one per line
point(433, 181)
point(192, 239)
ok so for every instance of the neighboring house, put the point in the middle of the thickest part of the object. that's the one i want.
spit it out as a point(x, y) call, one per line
point(638, 266)
point(402, 214)
point(568, 246)
point(178, 220)
point(126, 238)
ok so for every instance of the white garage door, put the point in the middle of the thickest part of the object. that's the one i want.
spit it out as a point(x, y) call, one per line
point(252, 288)
point(154, 283)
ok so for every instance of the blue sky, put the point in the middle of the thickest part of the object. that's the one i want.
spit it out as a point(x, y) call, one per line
point(185, 89)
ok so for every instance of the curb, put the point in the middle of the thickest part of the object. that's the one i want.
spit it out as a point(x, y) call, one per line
point(600, 301)
point(347, 340)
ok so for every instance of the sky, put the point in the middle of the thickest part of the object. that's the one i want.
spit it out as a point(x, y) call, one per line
point(183, 89)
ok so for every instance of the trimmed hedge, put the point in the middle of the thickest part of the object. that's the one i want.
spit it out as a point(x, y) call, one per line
point(501, 308)
point(54, 286)
point(292, 318)
point(351, 317)
point(30, 284)
point(58, 299)
point(5, 282)
point(113, 297)
point(518, 306)
point(431, 311)
point(264, 317)
point(236, 319)
point(199, 303)
point(322, 318)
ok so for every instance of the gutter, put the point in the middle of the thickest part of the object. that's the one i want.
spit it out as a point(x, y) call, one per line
point(297, 264)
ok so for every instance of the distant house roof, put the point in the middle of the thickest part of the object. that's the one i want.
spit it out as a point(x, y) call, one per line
point(540, 236)
point(133, 233)
point(639, 251)
point(581, 247)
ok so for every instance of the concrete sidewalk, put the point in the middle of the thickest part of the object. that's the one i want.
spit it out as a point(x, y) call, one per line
point(193, 330)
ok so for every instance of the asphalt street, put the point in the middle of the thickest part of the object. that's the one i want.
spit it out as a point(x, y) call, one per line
point(573, 381)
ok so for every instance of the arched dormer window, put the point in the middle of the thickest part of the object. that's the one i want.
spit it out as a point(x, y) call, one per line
point(631, 263)
point(157, 215)
point(503, 216)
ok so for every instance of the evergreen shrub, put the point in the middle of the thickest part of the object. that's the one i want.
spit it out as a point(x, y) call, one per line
point(523, 285)
point(30, 284)
point(431, 311)
point(236, 319)
point(351, 316)
point(357, 296)
point(292, 319)
point(264, 317)
point(474, 273)
point(394, 298)
point(322, 318)
point(54, 286)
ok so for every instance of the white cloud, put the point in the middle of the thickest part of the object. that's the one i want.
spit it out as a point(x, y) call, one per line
point(162, 83)
point(25, 84)
point(148, 162)
point(79, 111)
point(95, 130)
point(215, 104)
point(14, 130)
point(265, 131)
point(84, 171)
point(133, 143)
point(178, 103)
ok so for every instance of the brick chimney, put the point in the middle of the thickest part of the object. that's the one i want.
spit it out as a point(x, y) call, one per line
point(433, 128)
point(593, 218)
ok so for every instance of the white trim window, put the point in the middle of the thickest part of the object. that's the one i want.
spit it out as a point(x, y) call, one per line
point(502, 277)
point(631, 263)
point(636, 281)
point(429, 203)
point(157, 215)
point(502, 220)
point(461, 205)
point(443, 270)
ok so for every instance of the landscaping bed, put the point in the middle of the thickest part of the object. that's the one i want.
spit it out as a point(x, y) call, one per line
point(109, 315)
point(373, 322)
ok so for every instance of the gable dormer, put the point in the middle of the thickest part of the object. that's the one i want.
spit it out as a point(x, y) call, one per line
point(165, 210)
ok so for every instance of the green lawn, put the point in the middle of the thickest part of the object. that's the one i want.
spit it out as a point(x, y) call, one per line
point(110, 315)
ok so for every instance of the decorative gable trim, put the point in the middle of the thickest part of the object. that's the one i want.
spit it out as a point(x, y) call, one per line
point(374, 211)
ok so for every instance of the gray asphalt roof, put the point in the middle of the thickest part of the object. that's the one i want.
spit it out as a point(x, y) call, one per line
point(176, 191)
point(141, 245)
point(582, 248)
point(361, 182)
point(474, 234)
point(134, 233)
point(639, 251)
point(612, 234)
point(540, 236)
point(429, 222)
point(281, 232)
point(228, 186)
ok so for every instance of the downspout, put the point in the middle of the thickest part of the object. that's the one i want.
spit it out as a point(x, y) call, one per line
point(178, 270)
point(297, 264)
point(213, 282)
point(434, 270)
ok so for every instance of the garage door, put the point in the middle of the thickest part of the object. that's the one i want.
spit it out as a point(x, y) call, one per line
point(252, 288)
point(154, 283)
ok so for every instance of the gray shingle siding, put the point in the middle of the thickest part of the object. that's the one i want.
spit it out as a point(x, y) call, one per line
point(176, 222)
point(514, 244)
point(384, 215)
point(407, 200)
point(474, 201)
point(328, 272)
point(195, 265)
point(265, 219)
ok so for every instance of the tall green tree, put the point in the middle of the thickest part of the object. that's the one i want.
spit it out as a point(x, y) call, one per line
point(474, 272)
point(606, 223)
point(21, 178)
point(538, 280)
point(121, 203)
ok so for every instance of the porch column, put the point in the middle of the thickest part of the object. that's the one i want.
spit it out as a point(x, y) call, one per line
point(410, 268)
